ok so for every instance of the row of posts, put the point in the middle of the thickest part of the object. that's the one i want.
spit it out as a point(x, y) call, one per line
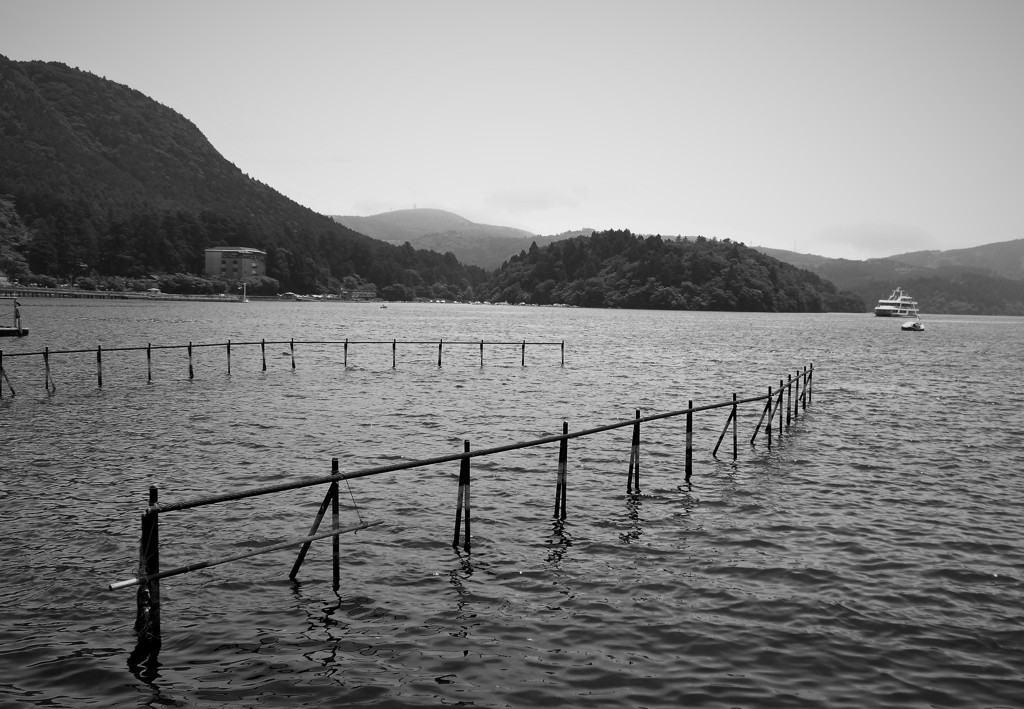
point(147, 624)
point(51, 386)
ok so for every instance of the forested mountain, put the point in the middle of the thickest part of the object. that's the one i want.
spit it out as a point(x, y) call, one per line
point(981, 280)
point(107, 181)
point(483, 245)
point(618, 269)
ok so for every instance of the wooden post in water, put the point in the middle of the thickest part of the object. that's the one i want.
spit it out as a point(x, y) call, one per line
point(51, 388)
point(735, 425)
point(789, 397)
point(263, 351)
point(781, 392)
point(634, 458)
point(771, 418)
point(481, 353)
point(99, 365)
point(796, 397)
point(563, 462)
point(335, 526)
point(291, 346)
point(689, 440)
point(439, 343)
point(331, 495)
point(229, 358)
point(149, 363)
point(191, 370)
point(810, 378)
point(147, 619)
point(523, 362)
point(563, 353)
point(394, 353)
point(463, 501)
point(345, 362)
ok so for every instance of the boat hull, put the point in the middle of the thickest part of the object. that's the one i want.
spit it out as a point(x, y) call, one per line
point(13, 331)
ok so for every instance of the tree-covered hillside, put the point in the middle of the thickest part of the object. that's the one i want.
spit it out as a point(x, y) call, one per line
point(618, 269)
point(109, 182)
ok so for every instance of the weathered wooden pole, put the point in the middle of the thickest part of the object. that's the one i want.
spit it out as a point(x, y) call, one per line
point(263, 351)
point(563, 461)
point(481, 353)
point(782, 393)
point(149, 363)
point(771, 418)
point(229, 358)
point(439, 344)
point(46, 366)
point(523, 361)
point(99, 365)
point(689, 440)
point(394, 353)
point(796, 396)
point(335, 526)
point(789, 397)
point(634, 458)
point(191, 369)
point(345, 361)
point(147, 619)
point(810, 381)
point(463, 501)
point(316, 522)
point(563, 353)
point(291, 345)
point(735, 425)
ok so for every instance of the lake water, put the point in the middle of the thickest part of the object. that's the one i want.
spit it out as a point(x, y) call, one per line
point(873, 557)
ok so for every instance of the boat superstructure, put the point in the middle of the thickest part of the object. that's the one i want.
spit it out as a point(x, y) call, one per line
point(897, 305)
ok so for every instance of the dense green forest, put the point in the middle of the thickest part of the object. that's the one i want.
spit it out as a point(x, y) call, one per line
point(618, 269)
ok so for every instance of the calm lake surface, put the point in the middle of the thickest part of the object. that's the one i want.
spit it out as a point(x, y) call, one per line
point(873, 557)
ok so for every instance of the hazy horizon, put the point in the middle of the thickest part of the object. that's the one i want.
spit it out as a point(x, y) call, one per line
point(851, 130)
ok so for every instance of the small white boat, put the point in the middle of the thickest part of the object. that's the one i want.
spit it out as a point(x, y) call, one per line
point(912, 326)
point(897, 305)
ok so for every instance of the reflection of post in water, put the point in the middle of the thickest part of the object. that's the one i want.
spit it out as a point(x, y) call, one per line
point(636, 530)
point(559, 542)
point(456, 578)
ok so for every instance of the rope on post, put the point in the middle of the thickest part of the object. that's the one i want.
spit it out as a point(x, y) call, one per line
point(689, 440)
point(99, 365)
point(634, 458)
point(463, 501)
point(563, 460)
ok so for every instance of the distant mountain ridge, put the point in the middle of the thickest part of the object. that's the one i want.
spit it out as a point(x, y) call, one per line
point(980, 280)
point(474, 244)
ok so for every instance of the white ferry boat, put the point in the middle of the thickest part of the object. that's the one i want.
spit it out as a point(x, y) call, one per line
point(897, 305)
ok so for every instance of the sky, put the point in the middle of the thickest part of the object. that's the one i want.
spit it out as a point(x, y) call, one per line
point(849, 129)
